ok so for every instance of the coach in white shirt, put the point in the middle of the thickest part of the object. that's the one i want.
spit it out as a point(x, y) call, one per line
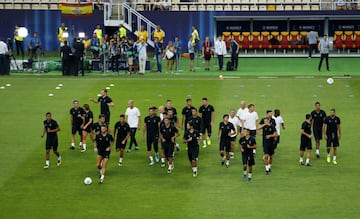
point(237, 123)
point(242, 111)
point(132, 116)
point(251, 121)
point(220, 51)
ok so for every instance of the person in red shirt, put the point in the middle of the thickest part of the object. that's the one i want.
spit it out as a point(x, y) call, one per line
point(207, 52)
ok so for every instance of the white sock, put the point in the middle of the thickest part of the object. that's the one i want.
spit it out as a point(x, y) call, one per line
point(151, 158)
point(170, 166)
point(121, 160)
point(250, 175)
point(317, 151)
point(307, 160)
point(269, 165)
point(47, 162)
point(73, 144)
point(163, 160)
point(84, 146)
point(245, 172)
point(254, 151)
point(80, 144)
point(266, 168)
point(301, 160)
point(204, 141)
point(223, 158)
point(334, 158)
point(193, 169)
point(231, 153)
point(328, 155)
point(227, 162)
point(196, 169)
point(59, 157)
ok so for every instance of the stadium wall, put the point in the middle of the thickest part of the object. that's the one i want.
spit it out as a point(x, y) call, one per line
point(179, 23)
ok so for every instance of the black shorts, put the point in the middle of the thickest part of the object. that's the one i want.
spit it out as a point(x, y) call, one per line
point(168, 148)
point(88, 129)
point(76, 128)
point(193, 153)
point(119, 144)
point(268, 148)
point(206, 127)
point(225, 145)
point(233, 138)
point(317, 132)
point(332, 142)
point(192, 56)
point(305, 144)
point(52, 142)
point(253, 133)
point(278, 139)
point(207, 57)
point(248, 158)
point(104, 154)
point(152, 140)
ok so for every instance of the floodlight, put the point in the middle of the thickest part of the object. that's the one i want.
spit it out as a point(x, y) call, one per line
point(81, 35)
point(23, 32)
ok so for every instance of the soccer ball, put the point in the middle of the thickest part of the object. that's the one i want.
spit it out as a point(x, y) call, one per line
point(87, 181)
point(221, 77)
point(330, 80)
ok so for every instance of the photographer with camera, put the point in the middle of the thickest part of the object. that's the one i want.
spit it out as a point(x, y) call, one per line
point(34, 44)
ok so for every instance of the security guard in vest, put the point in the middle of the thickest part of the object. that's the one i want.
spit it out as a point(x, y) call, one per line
point(62, 29)
point(18, 41)
point(122, 31)
point(98, 32)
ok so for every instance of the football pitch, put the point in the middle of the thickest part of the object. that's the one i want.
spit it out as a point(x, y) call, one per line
point(137, 190)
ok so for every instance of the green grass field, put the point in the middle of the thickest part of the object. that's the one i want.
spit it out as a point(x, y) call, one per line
point(137, 190)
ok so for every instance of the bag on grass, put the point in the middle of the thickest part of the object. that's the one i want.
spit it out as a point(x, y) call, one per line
point(229, 66)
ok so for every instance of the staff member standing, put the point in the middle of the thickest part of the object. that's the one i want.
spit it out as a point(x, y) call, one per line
point(33, 45)
point(60, 32)
point(324, 52)
point(78, 53)
point(65, 52)
point(312, 38)
point(207, 52)
point(220, 51)
point(234, 47)
point(122, 31)
point(18, 41)
point(4, 61)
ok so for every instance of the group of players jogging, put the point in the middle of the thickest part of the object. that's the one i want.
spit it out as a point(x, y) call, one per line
point(197, 126)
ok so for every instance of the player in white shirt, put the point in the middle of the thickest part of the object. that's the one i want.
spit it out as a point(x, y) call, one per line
point(279, 122)
point(132, 115)
point(251, 121)
point(237, 123)
point(242, 111)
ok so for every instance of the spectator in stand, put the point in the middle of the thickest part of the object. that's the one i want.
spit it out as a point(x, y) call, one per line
point(98, 32)
point(341, 5)
point(191, 52)
point(122, 31)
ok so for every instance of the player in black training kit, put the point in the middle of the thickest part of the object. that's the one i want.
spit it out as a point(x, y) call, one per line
point(207, 114)
point(186, 113)
point(174, 121)
point(332, 134)
point(226, 130)
point(51, 128)
point(247, 143)
point(195, 119)
point(122, 133)
point(77, 121)
point(102, 146)
point(168, 134)
point(105, 101)
point(318, 116)
point(151, 129)
point(96, 127)
point(305, 140)
point(86, 128)
point(269, 135)
point(192, 138)
point(170, 106)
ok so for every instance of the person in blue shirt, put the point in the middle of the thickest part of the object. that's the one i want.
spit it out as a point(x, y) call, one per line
point(95, 46)
point(177, 45)
point(34, 44)
point(324, 47)
point(158, 54)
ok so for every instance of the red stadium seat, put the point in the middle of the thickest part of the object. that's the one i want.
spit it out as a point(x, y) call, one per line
point(294, 40)
point(303, 39)
point(284, 41)
point(255, 40)
point(265, 37)
point(357, 39)
point(226, 37)
point(275, 40)
point(236, 37)
point(245, 40)
point(349, 39)
point(338, 39)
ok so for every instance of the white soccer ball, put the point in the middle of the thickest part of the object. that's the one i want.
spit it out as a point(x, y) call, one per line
point(221, 77)
point(330, 80)
point(87, 181)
